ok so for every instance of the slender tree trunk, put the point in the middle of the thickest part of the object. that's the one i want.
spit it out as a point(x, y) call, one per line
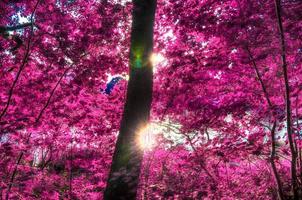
point(71, 165)
point(288, 102)
point(273, 130)
point(300, 160)
point(273, 164)
point(125, 169)
point(298, 148)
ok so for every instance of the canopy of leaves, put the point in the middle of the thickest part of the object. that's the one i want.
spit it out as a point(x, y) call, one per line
point(218, 88)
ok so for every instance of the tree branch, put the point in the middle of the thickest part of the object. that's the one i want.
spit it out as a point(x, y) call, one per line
point(272, 130)
point(25, 59)
point(4, 29)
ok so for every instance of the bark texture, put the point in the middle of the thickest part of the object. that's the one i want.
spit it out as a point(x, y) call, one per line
point(125, 169)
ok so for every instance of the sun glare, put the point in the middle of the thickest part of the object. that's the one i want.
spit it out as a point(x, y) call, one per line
point(156, 59)
point(147, 137)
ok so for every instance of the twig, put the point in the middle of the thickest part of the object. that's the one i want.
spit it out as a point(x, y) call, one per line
point(25, 59)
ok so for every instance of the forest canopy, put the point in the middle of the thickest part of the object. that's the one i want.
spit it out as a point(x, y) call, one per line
point(205, 93)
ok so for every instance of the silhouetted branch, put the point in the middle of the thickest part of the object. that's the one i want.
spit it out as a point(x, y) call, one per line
point(26, 56)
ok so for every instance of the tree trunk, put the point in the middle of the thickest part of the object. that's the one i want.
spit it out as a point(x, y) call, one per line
point(288, 103)
point(273, 130)
point(273, 164)
point(125, 169)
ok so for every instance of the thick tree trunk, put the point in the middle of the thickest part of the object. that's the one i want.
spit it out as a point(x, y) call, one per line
point(125, 169)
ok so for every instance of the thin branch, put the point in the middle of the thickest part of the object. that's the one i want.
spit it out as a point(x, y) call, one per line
point(272, 130)
point(259, 77)
point(25, 59)
point(36, 122)
point(192, 146)
point(50, 96)
point(28, 138)
point(13, 28)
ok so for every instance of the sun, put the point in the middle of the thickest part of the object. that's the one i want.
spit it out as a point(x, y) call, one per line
point(146, 138)
point(156, 58)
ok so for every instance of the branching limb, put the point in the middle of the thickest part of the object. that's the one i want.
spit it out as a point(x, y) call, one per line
point(24, 61)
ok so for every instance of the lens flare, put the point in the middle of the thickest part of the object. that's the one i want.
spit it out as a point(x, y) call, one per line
point(146, 137)
point(156, 59)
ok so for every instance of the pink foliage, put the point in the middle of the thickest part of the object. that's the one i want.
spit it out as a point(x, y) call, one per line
point(58, 130)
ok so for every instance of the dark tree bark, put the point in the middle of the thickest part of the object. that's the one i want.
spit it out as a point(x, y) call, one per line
point(125, 169)
point(294, 180)
point(273, 129)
